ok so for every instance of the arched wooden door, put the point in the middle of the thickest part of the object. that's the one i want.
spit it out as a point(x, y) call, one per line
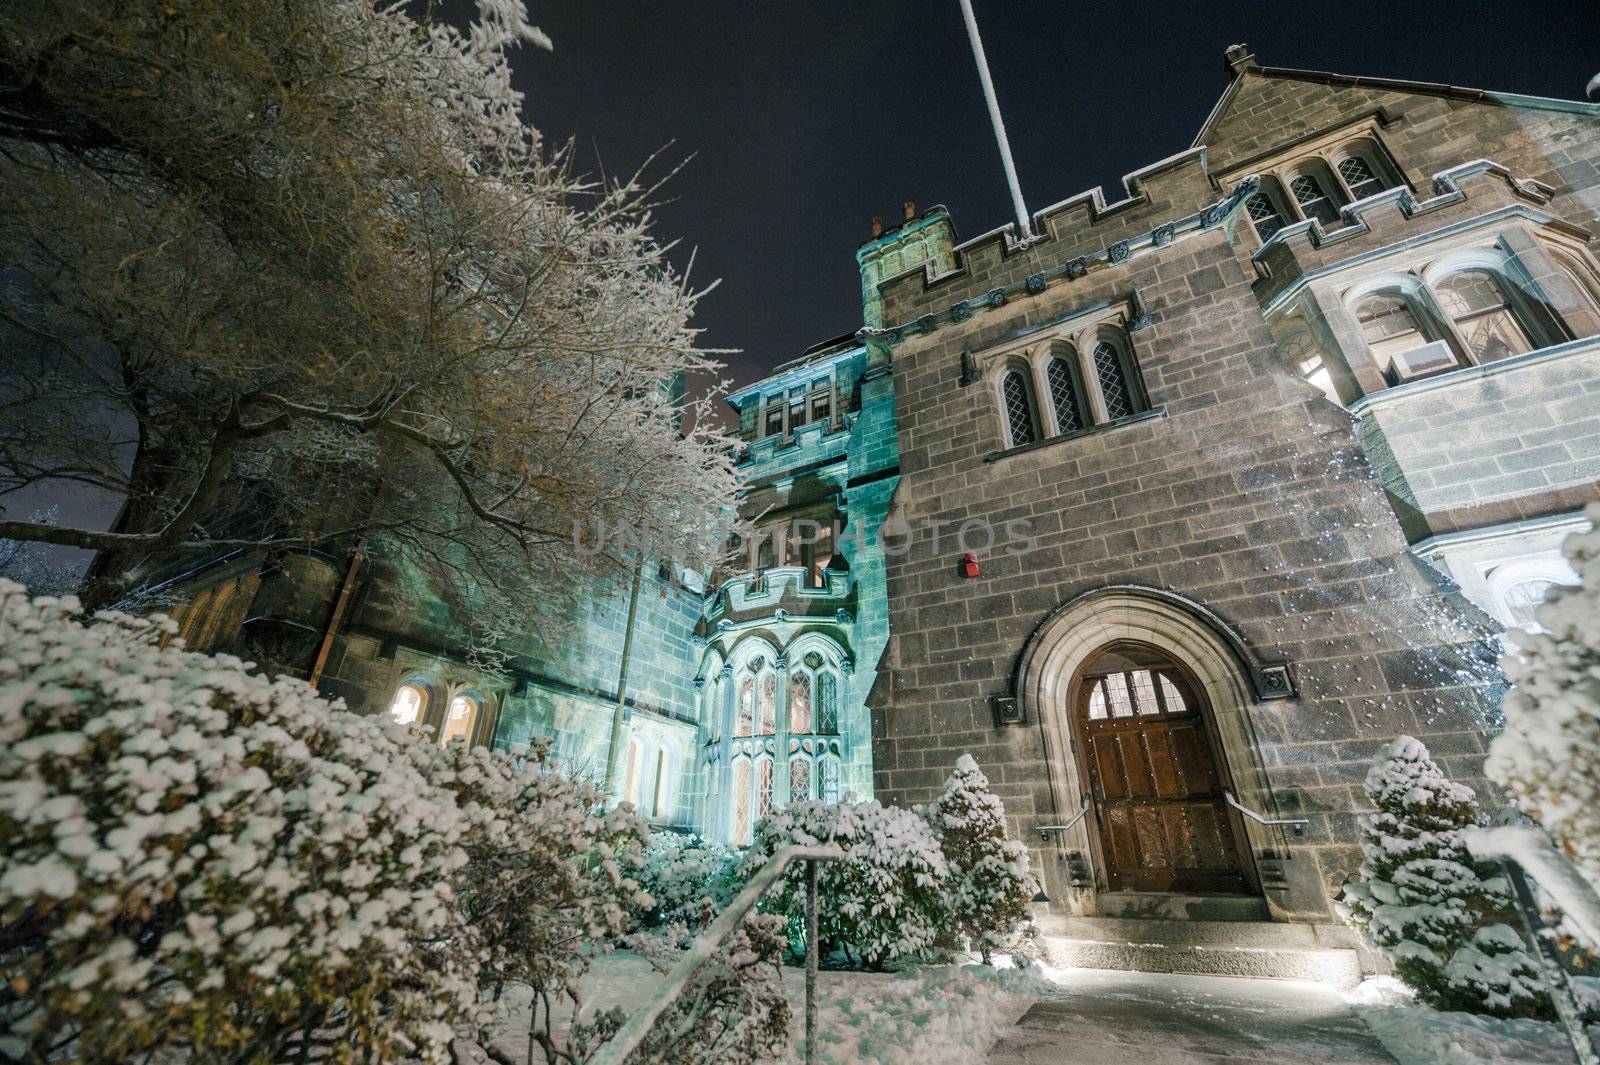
point(1163, 821)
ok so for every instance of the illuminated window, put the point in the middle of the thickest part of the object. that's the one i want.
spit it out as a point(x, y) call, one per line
point(460, 720)
point(1390, 325)
point(407, 705)
point(800, 701)
point(633, 774)
point(662, 805)
point(829, 791)
point(769, 704)
point(763, 787)
point(739, 833)
point(799, 778)
point(744, 716)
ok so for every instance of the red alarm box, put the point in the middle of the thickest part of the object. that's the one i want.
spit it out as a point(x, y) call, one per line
point(969, 565)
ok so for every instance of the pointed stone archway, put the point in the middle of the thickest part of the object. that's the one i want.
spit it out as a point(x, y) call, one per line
point(1231, 680)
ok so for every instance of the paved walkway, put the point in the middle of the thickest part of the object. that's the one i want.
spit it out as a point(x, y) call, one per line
point(1117, 1018)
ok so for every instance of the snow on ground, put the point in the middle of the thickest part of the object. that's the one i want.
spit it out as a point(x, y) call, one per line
point(1416, 1035)
point(948, 1014)
point(973, 1015)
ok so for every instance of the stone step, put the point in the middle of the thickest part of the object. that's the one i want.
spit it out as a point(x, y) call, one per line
point(1334, 966)
point(1165, 904)
point(1196, 933)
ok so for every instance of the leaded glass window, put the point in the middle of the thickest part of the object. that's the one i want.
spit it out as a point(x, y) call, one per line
point(741, 803)
point(1390, 326)
point(829, 791)
point(1018, 408)
point(1359, 176)
point(1064, 395)
point(1314, 199)
point(1114, 386)
point(799, 778)
point(744, 714)
point(763, 787)
point(769, 704)
point(800, 701)
point(827, 703)
point(1486, 322)
point(460, 720)
point(1264, 216)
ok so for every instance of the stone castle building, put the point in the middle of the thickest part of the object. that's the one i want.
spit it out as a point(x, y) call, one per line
point(1170, 515)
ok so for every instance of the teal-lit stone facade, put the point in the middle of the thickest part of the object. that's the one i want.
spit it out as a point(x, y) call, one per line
point(791, 642)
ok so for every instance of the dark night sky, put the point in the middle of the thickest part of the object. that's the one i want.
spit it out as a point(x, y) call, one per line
point(806, 119)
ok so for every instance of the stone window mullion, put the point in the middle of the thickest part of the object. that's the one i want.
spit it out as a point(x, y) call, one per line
point(1048, 425)
point(780, 753)
point(720, 825)
point(1083, 350)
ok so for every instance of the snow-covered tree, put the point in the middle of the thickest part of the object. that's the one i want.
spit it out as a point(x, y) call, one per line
point(286, 271)
point(679, 872)
point(989, 888)
point(883, 900)
point(1441, 917)
point(1549, 754)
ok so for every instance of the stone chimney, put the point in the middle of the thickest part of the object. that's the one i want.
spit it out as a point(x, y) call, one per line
point(909, 209)
point(1238, 58)
point(877, 227)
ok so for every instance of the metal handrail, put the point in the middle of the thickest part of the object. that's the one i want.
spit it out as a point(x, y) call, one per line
point(629, 1036)
point(1297, 823)
point(1045, 830)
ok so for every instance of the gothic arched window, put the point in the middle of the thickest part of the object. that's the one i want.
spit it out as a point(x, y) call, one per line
point(1475, 302)
point(744, 715)
point(1266, 216)
point(1017, 401)
point(633, 774)
point(799, 778)
point(827, 704)
point(1392, 326)
point(768, 704)
point(829, 790)
point(1112, 368)
point(1313, 192)
point(460, 719)
point(1360, 176)
point(662, 805)
point(800, 701)
point(763, 787)
point(1066, 396)
point(739, 826)
point(408, 704)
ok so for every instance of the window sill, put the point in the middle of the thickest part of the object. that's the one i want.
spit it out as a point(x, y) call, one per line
point(1447, 378)
point(1104, 427)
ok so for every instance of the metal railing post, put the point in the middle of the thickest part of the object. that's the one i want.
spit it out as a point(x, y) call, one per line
point(638, 1025)
point(813, 951)
point(1555, 974)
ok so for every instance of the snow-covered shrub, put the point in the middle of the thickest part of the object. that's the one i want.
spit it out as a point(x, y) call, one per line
point(200, 858)
point(548, 870)
point(679, 871)
point(1442, 917)
point(883, 900)
point(988, 890)
point(202, 861)
point(1549, 754)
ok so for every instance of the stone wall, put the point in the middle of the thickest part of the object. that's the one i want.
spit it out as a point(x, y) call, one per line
point(1249, 496)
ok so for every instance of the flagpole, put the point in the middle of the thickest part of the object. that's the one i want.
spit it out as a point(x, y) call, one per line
point(994, 118)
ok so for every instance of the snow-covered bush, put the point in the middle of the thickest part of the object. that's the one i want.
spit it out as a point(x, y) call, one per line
point(1549, 754)
point(203, 861)
point(201, 858)
point(679, 871)
point(1442, 918)
point(547, 870)
point(987, 893)
point(883, 900)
